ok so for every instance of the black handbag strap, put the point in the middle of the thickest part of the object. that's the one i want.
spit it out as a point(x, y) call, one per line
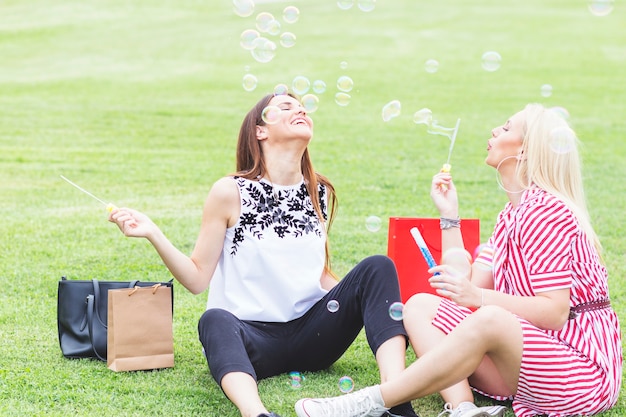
point(96, 295)
point(91, 307)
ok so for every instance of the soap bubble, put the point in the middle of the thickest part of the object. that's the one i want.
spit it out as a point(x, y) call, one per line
point(431, 66)
point(491, 61)
point(263, 21)
point(333, 306)
point(343, 65)
point(562, 140)
point(319, 86)
point(249, 82)
point(546, 90)
point(287, 39)
point(281, 89)
point(291, 14)
point(345, 84)
point(296, 379)
point(600, 7)
point(373, 223)
point(247, 38)
point(342, 99)
point(459, 259)
point(310, 102)
point(345, 4)
point(273, 27)
point(263, 50)
point(391, 110)
point(243, 8)
point(300, 85)
point(395, 311)
point(561, 111)
point(423, 116)
point(367, 5)
point(271, 114)
point(346, 384)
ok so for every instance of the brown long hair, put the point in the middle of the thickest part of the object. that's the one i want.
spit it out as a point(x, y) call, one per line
point(251, 165)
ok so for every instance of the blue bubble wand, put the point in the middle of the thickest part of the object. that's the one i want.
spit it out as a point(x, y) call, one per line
point(421, 244)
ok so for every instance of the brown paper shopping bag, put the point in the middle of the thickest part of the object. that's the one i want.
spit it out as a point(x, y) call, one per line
point(140, 332)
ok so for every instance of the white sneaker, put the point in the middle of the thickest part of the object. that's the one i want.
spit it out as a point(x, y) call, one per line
point(366, 402)
point(468, 409)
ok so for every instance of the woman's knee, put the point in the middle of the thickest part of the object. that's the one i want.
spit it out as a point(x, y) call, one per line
point(420, 307)
point(216, 320)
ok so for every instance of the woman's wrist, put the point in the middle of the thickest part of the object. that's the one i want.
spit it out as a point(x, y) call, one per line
point(449, 222)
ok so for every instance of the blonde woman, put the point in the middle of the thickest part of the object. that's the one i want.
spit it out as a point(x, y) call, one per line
point(531, 320)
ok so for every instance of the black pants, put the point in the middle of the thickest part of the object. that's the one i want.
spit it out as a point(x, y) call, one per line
point(311, 342)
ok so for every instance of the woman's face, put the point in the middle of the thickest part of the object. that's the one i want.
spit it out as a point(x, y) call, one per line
point(506, 142)
point(292, 120)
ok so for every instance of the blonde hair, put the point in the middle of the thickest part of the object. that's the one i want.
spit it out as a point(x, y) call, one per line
point(550, 161)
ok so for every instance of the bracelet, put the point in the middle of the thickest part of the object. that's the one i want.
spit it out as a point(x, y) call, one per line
point(445, 223)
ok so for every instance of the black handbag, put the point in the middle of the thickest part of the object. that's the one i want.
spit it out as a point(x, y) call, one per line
point(82, 315)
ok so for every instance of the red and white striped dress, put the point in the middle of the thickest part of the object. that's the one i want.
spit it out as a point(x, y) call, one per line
point(539, 246)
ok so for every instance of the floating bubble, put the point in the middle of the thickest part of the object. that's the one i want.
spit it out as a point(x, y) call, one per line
point(263, 21)
point(291, 14)
point(346, 384)
point(249, 82)
point(431, 66)
point(391, 110)
point(263, 50)
point(300, 85)
point(600, 7)
point(333, 306)
point(345, 84)
point(561, 111)
point(247, 38)
point(546, 90)
point(296, 379)
point(310, 102)
point(319, 86)
point(483, 256)
point(423, 117)
point(436, 129)
point(342, 99)
point(343, 65)
point(273, 27)
point(287, 39)
point(459, 259)
point(367, 5)
point(243, 8)
point(562, 140)
point(395, 310)
point(345, 4)
point(281, 89)
point(271, 114)
point(491, 61)
point(373, 223)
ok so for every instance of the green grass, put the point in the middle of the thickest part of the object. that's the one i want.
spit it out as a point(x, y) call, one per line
point(140, 102)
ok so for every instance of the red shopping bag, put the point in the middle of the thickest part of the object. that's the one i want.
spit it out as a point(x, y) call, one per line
point(410, 263)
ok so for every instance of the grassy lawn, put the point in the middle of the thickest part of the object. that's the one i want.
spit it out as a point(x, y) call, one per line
point(140, 102)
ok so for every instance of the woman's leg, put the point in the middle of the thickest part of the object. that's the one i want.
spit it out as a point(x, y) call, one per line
point(490, 332)
point(419, 312)
point(226, 342)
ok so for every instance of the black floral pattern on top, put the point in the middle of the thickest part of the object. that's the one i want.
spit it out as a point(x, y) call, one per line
point(283, 212)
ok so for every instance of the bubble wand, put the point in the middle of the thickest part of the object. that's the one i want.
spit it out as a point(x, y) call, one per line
point(419, 240)
point(109, 206)
point(447, 167)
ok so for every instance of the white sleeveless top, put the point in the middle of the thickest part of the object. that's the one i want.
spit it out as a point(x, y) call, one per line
point(274, 255)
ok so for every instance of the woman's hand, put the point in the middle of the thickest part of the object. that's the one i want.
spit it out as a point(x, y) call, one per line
point(132, 222)
point(443, 194)
point(454, 284)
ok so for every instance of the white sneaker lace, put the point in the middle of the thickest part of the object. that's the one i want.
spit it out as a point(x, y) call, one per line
point(458, 411)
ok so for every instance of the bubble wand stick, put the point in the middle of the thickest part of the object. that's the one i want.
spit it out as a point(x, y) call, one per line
point(110, 207)
point(419, 240)
point(447, 167)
